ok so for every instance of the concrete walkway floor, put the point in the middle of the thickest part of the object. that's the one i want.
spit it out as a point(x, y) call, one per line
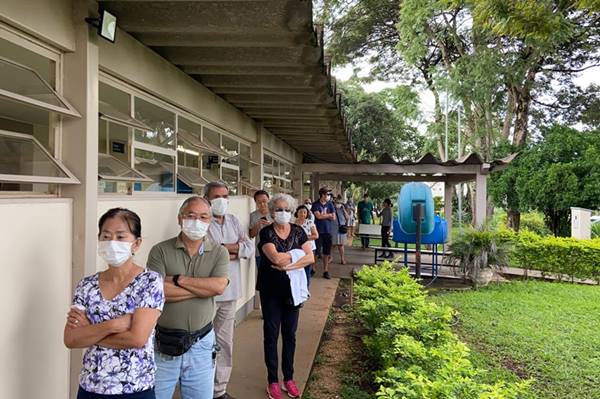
point(249, 376)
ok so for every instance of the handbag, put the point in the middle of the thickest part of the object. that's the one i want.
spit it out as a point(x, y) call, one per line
point(342, 229)
point(176, 342)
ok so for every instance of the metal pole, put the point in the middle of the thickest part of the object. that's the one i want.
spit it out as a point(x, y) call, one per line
point(459, 184)
point(418, 218)
point(446, 132)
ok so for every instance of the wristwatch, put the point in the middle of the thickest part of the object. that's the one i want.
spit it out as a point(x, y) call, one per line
point(176, 280)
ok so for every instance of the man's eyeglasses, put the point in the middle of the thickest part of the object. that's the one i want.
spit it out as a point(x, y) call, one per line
point(194, 216)
point(281, 210)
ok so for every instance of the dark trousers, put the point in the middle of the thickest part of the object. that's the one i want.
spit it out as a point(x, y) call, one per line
point(364, 241)
point(277, 314)
point(147, 394)
point(385, 236)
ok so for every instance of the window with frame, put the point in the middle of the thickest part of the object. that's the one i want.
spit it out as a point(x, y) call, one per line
point(154, 149)
point(115, 128)
point(189, 149)
point(30, 112)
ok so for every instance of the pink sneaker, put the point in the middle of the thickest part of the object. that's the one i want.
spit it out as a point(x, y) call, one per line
point(291, 389)
point(274, 391)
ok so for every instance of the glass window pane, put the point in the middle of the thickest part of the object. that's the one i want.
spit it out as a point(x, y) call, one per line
point(187, 155)
point(230, 176)
point(160, 120)
point(21, 84)
point(118, 136)
point(276, 167)
point(268, 184)
point(191, 176)
point(190, 127)
point(45, 67)
point(158, 167)
point(24, 157)
point(21, 118)
point(212, 137)
point(117, 99)
point(110, 168)
point(268, 164)
point(231, 148)
point(103, 136)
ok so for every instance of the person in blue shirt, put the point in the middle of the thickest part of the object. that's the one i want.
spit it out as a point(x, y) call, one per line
point(324, 212)
point(365, 214)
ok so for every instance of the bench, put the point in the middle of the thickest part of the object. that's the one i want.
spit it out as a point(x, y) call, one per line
point(370, 230)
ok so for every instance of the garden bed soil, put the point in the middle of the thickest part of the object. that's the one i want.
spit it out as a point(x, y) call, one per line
point(340, 369)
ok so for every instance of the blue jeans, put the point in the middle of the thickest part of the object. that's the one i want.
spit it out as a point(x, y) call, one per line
point(195, 370)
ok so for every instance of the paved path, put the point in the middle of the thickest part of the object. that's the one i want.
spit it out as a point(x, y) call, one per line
point(249, 378)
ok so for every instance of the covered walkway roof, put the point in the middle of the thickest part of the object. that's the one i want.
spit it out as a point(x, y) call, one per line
point(427, 168)
point(263, 56)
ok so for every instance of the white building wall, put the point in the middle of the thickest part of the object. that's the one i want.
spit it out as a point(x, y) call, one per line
point(35, 245)
point(159, 223)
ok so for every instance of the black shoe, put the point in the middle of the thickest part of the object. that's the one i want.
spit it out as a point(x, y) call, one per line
point(326, 275)
point(312, 272)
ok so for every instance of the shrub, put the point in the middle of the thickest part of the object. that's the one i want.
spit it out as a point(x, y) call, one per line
point(560, 256)
point(411, 340)
point(477, 249)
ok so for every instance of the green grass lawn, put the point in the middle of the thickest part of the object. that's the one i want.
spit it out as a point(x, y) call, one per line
point(547, 331)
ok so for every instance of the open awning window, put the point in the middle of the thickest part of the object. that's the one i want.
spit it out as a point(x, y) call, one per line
point(245, 184)
point(191, 176)
point(110, 168)
point(203, 147)
point(247, 159)
point(23, 85)
point(24, 160)
point(109, 113)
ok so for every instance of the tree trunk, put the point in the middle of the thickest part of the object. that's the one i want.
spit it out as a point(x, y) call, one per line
point(514, 219)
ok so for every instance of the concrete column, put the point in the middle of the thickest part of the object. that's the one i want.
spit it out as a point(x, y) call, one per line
point(479, 213)
point(80, 155)
point(298, 183)
point(448, 194)
point(315, 182)
point(256, 174)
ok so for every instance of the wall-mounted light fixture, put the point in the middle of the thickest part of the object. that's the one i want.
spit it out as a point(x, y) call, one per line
point(106, 24)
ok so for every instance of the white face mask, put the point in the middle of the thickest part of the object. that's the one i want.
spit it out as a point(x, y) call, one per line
point(194, 229)
point(219, 206)
point(283, 217)
point(115, 253)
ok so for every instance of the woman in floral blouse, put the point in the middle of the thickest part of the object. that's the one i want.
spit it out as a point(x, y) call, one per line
point(113, 315)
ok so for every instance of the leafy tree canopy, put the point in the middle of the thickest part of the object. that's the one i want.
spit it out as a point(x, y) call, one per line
point(553, 175)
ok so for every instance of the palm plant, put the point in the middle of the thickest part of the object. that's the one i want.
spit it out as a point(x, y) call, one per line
point(478, 251)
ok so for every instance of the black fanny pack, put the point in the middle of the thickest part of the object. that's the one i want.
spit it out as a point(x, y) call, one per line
point(176, 342)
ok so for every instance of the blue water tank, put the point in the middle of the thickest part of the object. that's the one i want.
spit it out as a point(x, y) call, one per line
point(439, 235)
point(410, 195)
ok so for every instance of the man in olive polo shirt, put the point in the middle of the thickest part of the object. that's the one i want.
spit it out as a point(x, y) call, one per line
point(195, 270)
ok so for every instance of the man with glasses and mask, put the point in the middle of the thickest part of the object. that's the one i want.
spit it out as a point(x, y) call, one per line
point(324, 212)
point(195, 271)
point(225, 229)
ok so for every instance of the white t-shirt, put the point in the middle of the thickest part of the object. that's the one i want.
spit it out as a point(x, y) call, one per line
point(307, 226)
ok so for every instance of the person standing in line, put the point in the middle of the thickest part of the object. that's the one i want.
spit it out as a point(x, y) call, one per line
point(339, 228)
point(351, 211)
point(284, 251)
point(365, 216)
point(259, 219)
point(310, 229)
point(386, 225)
point(225, 229)
point(113, 315)
point(324, 212)
point(195, 271)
